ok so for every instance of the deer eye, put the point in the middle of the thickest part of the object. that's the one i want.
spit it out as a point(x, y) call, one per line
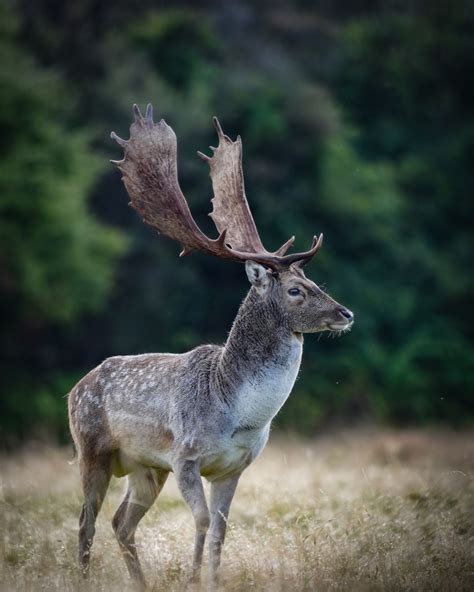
point(294, 292)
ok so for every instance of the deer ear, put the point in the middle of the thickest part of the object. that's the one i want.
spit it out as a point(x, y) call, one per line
point(258, 276)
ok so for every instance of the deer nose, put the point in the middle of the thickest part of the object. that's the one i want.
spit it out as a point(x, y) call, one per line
point(345, 313)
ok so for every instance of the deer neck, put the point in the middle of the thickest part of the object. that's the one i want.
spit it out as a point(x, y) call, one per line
point(260, 361)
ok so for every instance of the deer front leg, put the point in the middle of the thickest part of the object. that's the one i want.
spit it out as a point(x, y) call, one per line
point(222, 493)
point(189, 482)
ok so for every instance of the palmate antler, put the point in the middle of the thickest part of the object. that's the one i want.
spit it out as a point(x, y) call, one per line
point(150, 176)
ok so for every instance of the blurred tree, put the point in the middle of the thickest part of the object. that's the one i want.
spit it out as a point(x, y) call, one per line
point(402, 81)
point(53, 251)
point(178, 44)
point(56, 261)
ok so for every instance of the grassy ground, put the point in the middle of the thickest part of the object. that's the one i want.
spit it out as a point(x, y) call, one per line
point(365, 510)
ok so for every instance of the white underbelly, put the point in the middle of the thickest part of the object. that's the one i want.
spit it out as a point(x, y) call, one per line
point(131, 456)
point(235, 454)
point(228, 457)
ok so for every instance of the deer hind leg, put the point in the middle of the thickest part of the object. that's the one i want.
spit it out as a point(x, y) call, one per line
point(190, 485)
point(95, 475)
point(222, 493)
point(144, 485)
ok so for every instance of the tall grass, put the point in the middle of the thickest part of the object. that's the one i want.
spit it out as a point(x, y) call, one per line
point(359, 510)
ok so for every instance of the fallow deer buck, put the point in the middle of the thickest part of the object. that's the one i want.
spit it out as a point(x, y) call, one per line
point(206, 412)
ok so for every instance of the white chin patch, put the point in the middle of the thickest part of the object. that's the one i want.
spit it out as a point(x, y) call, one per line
point(339, 327)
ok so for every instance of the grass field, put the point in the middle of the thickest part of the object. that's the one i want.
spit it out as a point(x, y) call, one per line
point(356, 510)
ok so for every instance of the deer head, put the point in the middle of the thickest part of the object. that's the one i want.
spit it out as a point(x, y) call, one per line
point(306, 307)
point(149, 169)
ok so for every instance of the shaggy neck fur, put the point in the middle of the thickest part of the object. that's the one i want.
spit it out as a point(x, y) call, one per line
point(260, 338)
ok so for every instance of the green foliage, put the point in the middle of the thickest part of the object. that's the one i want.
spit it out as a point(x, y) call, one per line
point(57, 259)
point(178, 45)
point(401, 80)
point(372, 145)
point(36, 409)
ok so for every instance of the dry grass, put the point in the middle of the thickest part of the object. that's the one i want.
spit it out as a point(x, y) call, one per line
point(365, 510)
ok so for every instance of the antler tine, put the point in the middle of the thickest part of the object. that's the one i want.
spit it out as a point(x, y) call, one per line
point(149, 115)
point(218, 128)
point(284, 248)
point(137, 114)
point(120, 141)
point(306, 257)
point(203, 156)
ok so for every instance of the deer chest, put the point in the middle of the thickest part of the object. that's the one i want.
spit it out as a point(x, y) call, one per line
point(263, 392)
